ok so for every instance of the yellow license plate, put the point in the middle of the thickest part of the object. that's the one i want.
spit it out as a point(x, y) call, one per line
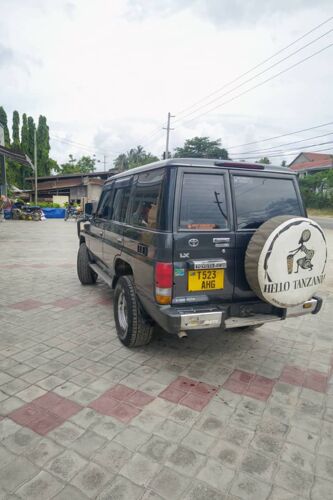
point(205, 280)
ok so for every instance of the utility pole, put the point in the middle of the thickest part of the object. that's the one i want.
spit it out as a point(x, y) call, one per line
point(167, 128)
point(35, 163)
point(104, 162)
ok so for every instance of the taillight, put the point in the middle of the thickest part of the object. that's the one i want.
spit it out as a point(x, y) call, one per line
point(163, 282)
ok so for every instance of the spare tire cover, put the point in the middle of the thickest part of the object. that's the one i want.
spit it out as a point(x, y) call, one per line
point(285, 260)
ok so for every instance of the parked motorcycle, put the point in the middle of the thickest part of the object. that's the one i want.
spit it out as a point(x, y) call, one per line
point(71, 213)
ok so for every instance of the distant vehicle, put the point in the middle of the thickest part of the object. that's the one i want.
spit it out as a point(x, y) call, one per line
point(192, 244)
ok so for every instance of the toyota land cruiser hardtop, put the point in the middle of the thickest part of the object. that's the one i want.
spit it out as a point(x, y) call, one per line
point(195, 244)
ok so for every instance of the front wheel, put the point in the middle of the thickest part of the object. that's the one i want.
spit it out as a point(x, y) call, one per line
point(133, 329)
point(86, 275)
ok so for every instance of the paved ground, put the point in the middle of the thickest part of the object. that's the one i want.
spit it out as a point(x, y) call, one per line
point(217, 416)
point(325, 222)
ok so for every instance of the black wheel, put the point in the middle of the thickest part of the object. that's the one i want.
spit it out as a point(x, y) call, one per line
point(86, 275)
point(133, 328)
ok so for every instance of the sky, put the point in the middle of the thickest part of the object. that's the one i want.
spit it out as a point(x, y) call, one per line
point(106, 73)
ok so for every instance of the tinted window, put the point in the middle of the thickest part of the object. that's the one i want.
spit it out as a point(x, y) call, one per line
point(120, 203)
point(203, 202)
point(260, 198)
point(104, 205)
point(147, 199)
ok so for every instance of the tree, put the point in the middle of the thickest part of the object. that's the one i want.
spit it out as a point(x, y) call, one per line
point(16, 130)
point(135, 157)
point(24, 134)
point(3, 121)
point(202, 147)
point(25, 171)
point(31, 137)
point(84, 165)
point(43, 146)
point(264, 160)
point(121, 162)
point(14, 168)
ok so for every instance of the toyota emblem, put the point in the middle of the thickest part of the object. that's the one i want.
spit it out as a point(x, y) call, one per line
point(193, 242)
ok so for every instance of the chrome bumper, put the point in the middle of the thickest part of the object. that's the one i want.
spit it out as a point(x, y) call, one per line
point(214, 319)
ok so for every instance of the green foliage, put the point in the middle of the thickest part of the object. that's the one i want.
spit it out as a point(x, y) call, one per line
point(43, 147)
point(16, 130)
point(48, 204)
point(317, 189)
point(264, 160)
point(84, 165)
point(31, 138)
point(24, 134)
point(4, 122)
point(135, 157)
point(202, 147)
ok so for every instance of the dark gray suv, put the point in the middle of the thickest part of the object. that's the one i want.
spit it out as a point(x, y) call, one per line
point(193, 244)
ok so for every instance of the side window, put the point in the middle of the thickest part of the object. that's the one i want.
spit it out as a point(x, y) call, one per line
point(203, 202)
point(147, 199)
point(103, 209)
point(120, 203)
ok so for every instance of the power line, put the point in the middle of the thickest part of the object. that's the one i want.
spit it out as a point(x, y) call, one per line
point(282, 145)
point(255, 76)
point(276, 154)
point(255, 67)
point(72, 143)
point(279, 136)
point(261, 83)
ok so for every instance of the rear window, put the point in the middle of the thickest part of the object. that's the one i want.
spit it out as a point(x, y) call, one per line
point(203, 203)
point(258, 199)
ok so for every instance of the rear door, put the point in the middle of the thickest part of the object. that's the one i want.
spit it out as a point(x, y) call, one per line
point(257, 197)
point(203, 237)
point(97, 224)
point(114, 225)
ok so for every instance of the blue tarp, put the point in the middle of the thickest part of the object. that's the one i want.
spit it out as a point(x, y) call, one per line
point(54, 213)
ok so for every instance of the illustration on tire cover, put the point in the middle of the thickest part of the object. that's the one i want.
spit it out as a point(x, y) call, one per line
point(303, 262)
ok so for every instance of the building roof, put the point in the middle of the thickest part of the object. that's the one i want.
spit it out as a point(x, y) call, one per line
point(16, 156)
point(313, 161)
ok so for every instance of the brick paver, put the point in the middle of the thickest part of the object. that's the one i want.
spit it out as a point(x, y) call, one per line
point(220, 415)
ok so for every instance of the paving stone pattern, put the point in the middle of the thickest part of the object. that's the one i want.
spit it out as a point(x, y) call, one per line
point(219, 415)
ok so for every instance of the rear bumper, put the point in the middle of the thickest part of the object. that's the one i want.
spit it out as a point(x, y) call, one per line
point(174, 319)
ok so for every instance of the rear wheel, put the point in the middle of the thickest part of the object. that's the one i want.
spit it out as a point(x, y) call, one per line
point(86, 275)
point(133, 328)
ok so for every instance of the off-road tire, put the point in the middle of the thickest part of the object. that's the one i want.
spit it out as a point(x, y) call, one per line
point(86, 275)
point(139, 329)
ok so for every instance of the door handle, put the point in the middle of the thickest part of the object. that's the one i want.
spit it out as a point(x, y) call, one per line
point(221, 240)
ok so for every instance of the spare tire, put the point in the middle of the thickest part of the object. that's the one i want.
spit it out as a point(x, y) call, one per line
point(285, 260)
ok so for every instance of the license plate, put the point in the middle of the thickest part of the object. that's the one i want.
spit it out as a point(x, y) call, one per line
point(205, 280)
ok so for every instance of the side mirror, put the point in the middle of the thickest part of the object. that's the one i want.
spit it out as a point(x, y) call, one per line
point(88, 209)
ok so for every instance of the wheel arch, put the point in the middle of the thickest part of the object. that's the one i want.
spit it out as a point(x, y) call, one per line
point(121, 268)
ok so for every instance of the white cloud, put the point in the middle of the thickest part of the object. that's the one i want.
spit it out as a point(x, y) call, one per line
point(107, 79)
